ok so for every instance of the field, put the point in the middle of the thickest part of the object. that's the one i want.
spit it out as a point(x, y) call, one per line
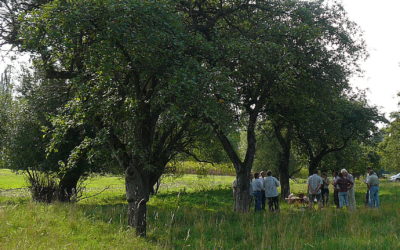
point(190, 212)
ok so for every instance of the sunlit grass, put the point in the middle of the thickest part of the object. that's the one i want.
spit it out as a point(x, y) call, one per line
point(196, 213)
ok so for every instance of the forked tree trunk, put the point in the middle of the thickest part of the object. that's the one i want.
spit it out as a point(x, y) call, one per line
point(242, 193)
point(137, 195)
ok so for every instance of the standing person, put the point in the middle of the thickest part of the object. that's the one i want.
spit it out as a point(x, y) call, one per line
point(325, 189)
point(344, 185)
point(263, 197)
point(271, 191)
point(367, 193)
point(373, 185)
point(257, 186)
point(350, 193)
point(335, 189)
point(314, 188)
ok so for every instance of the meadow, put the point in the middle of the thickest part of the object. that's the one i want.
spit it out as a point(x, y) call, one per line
point(190, 212)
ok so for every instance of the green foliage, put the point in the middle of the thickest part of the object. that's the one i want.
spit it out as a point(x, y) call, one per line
point(389, 148)
point(199, 168)
point(268, 150)
point(6, 112)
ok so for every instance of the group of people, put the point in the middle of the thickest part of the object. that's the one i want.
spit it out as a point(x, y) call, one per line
point(264, 186)
point(343, 189)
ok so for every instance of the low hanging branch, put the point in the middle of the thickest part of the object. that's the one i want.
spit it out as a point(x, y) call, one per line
point(91, 196)
point(197, 159)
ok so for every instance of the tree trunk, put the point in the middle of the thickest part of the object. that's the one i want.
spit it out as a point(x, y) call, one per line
point(137, 195)
point(285, 141)
point(68, 184)
point(284, 175)
point(242, 193)
point(313, 165)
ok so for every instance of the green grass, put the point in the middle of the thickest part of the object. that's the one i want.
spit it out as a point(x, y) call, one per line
point(195, 213)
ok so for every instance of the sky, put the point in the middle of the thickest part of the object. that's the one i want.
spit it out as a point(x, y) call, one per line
point(379, 20)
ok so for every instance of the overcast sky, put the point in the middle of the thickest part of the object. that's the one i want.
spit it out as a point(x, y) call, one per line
point(380, 21)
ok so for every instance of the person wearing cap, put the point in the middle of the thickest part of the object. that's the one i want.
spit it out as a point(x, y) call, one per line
point(350, 193)
point(373, 186)
point(271, 191)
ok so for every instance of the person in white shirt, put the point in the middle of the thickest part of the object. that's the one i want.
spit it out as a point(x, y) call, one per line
point(350, 193)
point(257, 187)
point(271, 191)
point(314, 188)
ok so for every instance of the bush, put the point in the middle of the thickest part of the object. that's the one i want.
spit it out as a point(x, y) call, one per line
point(45, 187)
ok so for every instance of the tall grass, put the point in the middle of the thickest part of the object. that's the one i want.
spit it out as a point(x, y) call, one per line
point(195, 213)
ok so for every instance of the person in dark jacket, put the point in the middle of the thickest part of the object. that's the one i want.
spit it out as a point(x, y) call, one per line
point(343, 185)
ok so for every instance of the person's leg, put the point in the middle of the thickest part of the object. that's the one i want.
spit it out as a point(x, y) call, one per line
point(255, 200)
point(336, 198)
point(271, 204)
point(319, 200)
point(341, 199)
point(311, 200)
point(367, 198)
point(346, 199)
point(277, 203)
point(258, 200)
point(370, 197)
point(374, 196)
point(323, 196)
point(263, 199)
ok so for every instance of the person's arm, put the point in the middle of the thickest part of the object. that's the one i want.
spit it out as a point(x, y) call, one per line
point(368, 182)
point(319, 185)
point(350, 184)
point(318, 188)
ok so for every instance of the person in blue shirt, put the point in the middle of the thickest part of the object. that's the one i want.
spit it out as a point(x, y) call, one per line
point(257, 187)
point(271, 185)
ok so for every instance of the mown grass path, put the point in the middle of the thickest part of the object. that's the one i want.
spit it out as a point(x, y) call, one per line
point(194, 213)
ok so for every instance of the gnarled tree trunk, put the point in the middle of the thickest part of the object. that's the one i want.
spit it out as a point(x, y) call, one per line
point(242, 193)
point(284, 178)
point(285, 140)
point(137, 195)
point(68, 184)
